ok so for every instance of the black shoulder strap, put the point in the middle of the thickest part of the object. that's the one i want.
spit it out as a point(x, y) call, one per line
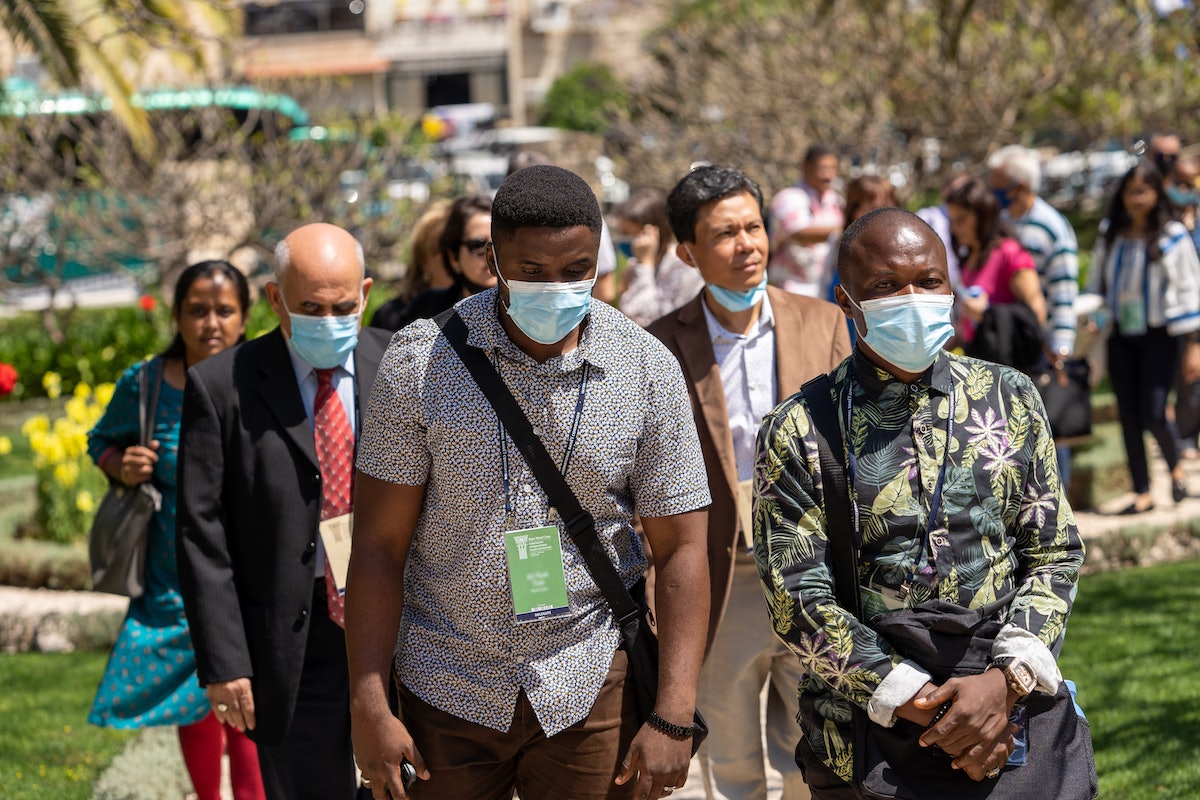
point(827, 430)
point(148, 407)
point(579, 523)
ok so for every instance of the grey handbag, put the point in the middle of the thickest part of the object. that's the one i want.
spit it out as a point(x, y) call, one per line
point(117, 540)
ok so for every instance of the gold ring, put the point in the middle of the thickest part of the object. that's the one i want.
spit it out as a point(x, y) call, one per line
point(221, 707)
point(366, 783)
point(992, 773)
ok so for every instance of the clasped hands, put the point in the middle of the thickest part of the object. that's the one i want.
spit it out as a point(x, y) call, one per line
point(976, 730)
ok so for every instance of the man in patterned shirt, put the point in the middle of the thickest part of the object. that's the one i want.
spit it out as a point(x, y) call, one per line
point(490, 702)
point(924, 429)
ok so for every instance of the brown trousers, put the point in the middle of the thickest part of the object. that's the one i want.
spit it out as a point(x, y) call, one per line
point(473, 762)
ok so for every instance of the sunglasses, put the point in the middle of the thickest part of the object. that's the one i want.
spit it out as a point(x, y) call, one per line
point(476, 246)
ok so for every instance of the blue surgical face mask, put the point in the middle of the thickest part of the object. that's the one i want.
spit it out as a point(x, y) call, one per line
point(1003, 197)
point(731, 299)
point(739, 301)
point(907, 330)
point(546, 311)
point(323, 342)
point(1183, 198)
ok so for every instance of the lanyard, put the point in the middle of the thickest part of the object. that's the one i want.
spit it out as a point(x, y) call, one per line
point(505, 477)
point(935, 501)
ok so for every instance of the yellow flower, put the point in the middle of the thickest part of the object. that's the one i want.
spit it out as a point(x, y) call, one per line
point(5, 445)
point(84, 502)
point(36, 424)
point(52, 383)
point(66, 474)
point(82, 391)
point(103, 394)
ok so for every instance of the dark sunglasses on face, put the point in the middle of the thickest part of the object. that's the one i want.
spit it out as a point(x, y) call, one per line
point(476, 246)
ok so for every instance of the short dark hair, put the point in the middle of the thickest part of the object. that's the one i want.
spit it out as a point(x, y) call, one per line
point(816, 152)
point(855, 230)
point(700, 187)
point(544, 196)
point(205, 269)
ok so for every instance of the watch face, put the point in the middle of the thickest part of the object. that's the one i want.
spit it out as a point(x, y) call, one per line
point(1022, 673)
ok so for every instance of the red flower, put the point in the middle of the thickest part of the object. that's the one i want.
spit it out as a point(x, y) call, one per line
point(8, 378)
point(147, 302)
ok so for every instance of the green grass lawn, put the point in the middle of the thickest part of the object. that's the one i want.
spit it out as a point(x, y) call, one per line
point(1132, 648)
point(47, 749)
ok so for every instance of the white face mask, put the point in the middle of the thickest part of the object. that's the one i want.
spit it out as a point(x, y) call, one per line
point(546, 311)
point(907, 330)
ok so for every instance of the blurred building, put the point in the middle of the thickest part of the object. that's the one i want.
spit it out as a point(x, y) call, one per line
point(410, 55)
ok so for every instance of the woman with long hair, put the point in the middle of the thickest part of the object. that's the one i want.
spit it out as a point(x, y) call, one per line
point(994, 269)
point(151, 674)
point(1145, 265)
point(462, 247)
point(655, 281)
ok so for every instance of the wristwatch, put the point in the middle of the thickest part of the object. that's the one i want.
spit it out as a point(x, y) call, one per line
point(1018, 673)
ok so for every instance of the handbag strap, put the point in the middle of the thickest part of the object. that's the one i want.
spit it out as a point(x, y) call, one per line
point(147, 410)
point(827, 430)
point(580, 524)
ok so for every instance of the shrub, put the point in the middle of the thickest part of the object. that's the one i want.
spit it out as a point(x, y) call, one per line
point(68, 485)
point(100, 344)
point(585, 98)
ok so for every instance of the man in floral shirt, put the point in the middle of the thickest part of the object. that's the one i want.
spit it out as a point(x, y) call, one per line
point(956, 496)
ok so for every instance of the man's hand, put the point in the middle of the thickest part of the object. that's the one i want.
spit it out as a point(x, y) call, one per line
point(979, 713)
point(984, 757)
point(658, 763)
point(381, 745)
point(233, 703)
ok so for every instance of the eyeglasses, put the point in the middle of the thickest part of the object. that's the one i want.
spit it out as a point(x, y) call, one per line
point(476, 246)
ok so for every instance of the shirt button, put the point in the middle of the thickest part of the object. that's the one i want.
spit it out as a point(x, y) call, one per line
point(519, 659)
point(317, 478)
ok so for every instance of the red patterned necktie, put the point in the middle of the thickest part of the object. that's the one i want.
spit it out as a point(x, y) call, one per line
point(335, 453)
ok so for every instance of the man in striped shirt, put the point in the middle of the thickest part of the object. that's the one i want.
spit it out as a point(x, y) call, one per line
point(1016, 177)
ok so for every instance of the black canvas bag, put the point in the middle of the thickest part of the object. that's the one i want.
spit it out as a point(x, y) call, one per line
point(633, 617)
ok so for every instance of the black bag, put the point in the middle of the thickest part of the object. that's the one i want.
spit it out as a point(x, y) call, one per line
point(948, 641)
point(1008, 334)
point(1067, 394)
point(117, 539)
point(633, 618)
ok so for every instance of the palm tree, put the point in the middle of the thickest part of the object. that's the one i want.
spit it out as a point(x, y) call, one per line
point(107, 40)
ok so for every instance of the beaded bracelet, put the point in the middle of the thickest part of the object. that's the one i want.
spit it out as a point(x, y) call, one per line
point(941, 712)
point(677, 732)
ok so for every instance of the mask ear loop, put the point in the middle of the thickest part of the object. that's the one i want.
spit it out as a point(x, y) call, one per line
point(861, 335)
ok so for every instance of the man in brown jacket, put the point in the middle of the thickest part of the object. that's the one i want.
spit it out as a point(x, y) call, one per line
point(744, 347)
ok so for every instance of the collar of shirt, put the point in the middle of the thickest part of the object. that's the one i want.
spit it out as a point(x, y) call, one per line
point(717, 331)
point(481, 313)
point(306, 380)
point(876, 381)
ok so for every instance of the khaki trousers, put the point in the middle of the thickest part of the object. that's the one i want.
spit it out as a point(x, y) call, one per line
point(746, 656)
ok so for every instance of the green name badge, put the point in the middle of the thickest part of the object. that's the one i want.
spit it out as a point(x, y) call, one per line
point(535, 574)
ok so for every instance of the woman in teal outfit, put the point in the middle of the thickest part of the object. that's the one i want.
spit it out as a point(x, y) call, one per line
point(151, 674)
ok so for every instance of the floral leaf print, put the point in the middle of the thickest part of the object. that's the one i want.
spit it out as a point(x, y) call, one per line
point(896, 498)
point(978, 382)
point(1036, 507)
point(958, 491)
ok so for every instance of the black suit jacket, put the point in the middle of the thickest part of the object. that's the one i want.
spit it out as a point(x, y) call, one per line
point(249, 504)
